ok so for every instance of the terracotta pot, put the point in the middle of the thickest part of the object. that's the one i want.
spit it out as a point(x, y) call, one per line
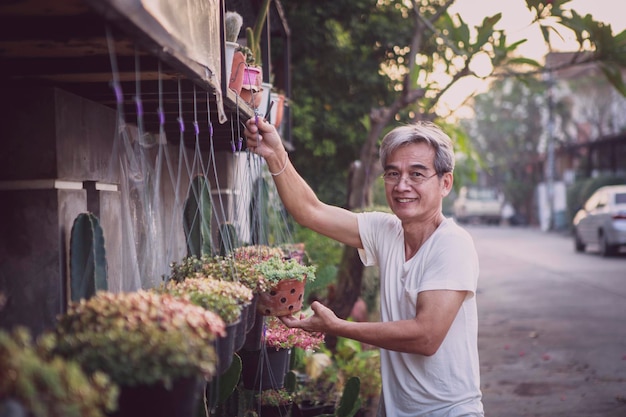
point(235, 81)
point(283, 299)
point(276, 115)
point(252, 98)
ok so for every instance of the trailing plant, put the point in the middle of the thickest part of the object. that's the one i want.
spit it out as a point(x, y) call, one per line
point(88, 265)
point(279, 336)
point(45, 385)
point(254, 254)
point(140, 337)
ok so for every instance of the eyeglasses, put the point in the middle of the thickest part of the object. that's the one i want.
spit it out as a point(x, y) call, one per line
point(413, 178)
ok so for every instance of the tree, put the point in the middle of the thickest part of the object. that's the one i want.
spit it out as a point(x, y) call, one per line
point(368, 64)
point(508, 130)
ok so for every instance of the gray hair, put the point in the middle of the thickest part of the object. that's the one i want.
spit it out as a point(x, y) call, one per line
point(421, 132)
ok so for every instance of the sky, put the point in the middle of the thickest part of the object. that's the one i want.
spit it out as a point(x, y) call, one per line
point(515, 21)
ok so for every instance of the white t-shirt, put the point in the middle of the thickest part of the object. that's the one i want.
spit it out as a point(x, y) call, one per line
point(448, 382)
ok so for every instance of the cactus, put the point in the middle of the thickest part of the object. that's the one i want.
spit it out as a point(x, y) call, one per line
point(350, 402)
point(254, 34)
point(234, 21)
point(228, 238)
point(88, 265)
point(197, 218)
point(291, 381)
point(259, 213)
point(219, 390)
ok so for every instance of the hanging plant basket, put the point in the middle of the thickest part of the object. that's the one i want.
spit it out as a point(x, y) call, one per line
point(265, 368)
point(225, 347)
point(282, 299)
point(157, 400)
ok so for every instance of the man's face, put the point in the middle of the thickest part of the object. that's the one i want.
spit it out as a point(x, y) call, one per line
point(412, 188)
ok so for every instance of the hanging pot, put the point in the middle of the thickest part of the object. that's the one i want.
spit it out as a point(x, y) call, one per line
point(254, 336)
point(225, 347)
point(283, 299)
point(158, 401)
point(251, 313)
point(265, 368)
point(275, 410)
point(240, 334)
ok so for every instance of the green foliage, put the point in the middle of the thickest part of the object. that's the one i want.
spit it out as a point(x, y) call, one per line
point(47, 385)
point(321, 251)
point(353, 360)
point(88, 265)
point(506, 132)
point(350, 402)
point(140, 337)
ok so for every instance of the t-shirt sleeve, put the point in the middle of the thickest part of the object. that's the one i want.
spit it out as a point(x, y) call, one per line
point(452, 264)
point(370, 224)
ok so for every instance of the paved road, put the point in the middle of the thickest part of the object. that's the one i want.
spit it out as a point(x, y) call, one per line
point(552, 332)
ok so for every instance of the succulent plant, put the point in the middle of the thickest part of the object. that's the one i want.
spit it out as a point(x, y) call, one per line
point(224, 298)
point(276, 269)
point(275, 397)
point(279, 336)
point(45, 385)
point(140, 337)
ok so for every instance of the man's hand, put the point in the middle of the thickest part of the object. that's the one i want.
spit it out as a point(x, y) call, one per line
point(322, 320)
point(262, 137)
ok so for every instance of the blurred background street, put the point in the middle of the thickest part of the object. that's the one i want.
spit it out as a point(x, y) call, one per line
point(552, 330)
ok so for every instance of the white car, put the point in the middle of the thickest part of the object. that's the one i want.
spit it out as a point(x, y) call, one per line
point(602, 221)
point(478, 204)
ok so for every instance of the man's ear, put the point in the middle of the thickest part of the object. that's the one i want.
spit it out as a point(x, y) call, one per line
point(446, 184)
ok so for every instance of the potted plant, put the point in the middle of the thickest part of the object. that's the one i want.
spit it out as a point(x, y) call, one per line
point(234, 57)
point(226, 299)
point(279, 336)
point(252, 91)
point(37, 383)
point(274, 402)
point(285, 280)
point(156, 347)
point(267, 367)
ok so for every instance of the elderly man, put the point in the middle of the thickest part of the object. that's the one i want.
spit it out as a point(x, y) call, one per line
point(428, 271)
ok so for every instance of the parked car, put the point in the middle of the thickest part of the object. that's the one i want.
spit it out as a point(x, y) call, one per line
point(477, 204)
point(602, 220)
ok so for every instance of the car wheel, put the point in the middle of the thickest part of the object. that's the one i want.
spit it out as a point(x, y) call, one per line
point(606, 249)
point(578, 244)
